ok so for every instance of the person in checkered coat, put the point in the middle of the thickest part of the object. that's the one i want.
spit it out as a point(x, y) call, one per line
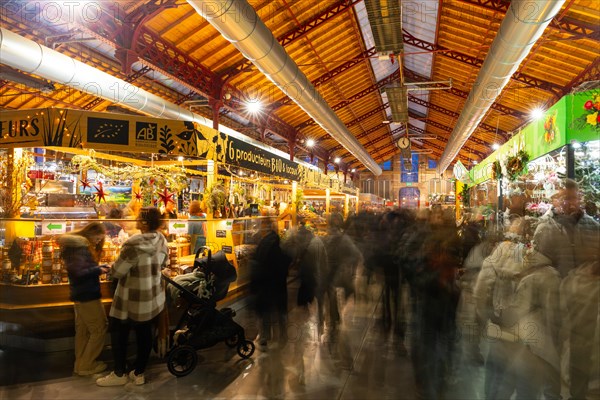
point(139, 296)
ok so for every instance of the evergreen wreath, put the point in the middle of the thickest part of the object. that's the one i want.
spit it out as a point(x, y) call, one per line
point(517, 165)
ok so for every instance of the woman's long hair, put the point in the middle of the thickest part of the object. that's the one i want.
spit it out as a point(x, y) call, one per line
point(89, 231)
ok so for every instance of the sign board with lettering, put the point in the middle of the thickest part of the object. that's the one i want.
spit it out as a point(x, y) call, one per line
point(221, 233)
point(178, 227)
point(53, 127)
point(53, 227)
point(257, 159)
point(227, 249)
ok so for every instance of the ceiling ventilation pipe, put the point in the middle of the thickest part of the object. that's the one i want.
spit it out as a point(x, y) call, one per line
point(29, 56)
point(238, 23)
point(522, 26)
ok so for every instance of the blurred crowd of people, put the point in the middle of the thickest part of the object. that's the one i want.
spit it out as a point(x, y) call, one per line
point(519, 298)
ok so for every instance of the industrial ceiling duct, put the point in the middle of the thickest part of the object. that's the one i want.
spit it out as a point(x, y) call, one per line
point(398, 99)
point(238, 23)
point(385, 18)
point(29, 56)
point(9, 74)
point(524, 23)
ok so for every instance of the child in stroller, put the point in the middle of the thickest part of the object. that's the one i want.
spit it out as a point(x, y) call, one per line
point(202, 325)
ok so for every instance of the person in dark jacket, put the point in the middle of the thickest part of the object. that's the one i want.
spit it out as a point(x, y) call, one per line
point(81, 251)
point(268, 285)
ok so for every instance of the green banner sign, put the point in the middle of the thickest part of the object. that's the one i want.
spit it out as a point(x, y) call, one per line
point(574, 117)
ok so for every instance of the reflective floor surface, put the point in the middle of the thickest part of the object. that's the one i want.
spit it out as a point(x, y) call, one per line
point(364, 361)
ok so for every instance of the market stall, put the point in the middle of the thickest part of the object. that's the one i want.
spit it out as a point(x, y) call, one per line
point(62, 168)
point(522, 176)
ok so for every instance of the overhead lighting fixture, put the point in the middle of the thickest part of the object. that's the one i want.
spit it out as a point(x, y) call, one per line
point(422, 137)
point(537, 113)
point(310, 143)
point(253, 106)
point(353, 170)
point(337, 160)
point(385, 121)
point(475, 162)
point(398, 100)
point(180, 158)
point(495, 146)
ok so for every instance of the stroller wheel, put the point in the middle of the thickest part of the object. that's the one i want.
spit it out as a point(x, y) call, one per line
point(182, 360)
point(232, 341)
point(246, 349)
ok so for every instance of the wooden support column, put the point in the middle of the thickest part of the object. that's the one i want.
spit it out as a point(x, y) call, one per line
point(346, 205)
point(294, 205)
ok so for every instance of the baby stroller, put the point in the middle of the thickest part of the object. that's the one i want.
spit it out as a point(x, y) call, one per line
point(202, 325)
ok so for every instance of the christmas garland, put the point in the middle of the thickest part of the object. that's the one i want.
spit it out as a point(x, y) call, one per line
point(160, 176)
point(517, 165)
point(496, 170)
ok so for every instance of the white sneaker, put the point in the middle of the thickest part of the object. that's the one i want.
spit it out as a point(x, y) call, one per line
point(137, 379)
point(112, 379)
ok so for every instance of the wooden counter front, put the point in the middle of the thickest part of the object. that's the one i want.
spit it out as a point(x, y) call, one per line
point(42, 310)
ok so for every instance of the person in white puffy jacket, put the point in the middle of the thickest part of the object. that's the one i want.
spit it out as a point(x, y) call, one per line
point(517, 293)
point(580, 302)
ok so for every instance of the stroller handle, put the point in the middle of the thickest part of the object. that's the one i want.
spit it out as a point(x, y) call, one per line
point(201, 249)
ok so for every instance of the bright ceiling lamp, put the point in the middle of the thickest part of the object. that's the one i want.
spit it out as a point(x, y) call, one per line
point(253, 106)
point(537, 113)
point(310, 143)
point(495, 146)
point(337, 160)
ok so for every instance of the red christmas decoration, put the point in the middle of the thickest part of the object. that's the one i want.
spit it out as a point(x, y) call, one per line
point(138, 195)
point(100, 193)
point(85, 184)
point(166, 197)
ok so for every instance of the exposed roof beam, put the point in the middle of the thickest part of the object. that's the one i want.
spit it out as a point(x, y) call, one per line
point(564, 24)
point(296, 33)
point(414, 77)
point(464, 58)
point(453, 114)
point(393, 77)
point(334, 72)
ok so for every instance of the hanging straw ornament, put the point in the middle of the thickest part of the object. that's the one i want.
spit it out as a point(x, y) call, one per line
point(166, 197)
point(100, 192)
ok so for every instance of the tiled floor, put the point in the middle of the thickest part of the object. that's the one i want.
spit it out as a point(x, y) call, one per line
point(365, 363)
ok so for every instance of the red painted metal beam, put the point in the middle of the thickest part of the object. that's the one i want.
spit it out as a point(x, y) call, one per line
point(564, 24)
point(156, 51)
point(464, 58)
point(414, 77)
point(395, 150)
point(335, 72)
point(295, 34)
point(410, 127)
point(162, 56)
point(591, 73)
point(453, 114)
point(388, 80)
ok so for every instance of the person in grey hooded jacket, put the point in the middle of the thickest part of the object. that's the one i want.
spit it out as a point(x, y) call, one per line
point(139, 297)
